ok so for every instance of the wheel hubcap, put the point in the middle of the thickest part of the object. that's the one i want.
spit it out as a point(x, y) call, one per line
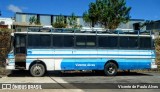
point(37, 70)
point(111, 70)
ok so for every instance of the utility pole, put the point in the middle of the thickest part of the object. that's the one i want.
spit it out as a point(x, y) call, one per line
point(0, 13)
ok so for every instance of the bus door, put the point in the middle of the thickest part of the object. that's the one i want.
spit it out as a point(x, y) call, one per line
point(20, 51)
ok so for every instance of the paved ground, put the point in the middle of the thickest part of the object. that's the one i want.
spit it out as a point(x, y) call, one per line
point(66, 80)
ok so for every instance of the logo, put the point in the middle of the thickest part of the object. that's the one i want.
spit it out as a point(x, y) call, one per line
point(6, 86)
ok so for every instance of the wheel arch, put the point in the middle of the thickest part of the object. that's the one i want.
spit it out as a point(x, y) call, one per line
point(113, 61)
point(38, 62)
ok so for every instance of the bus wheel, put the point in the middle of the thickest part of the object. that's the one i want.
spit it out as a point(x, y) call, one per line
point(37, 70)
point(110, 69)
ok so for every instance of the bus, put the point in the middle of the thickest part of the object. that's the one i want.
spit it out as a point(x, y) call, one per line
point(52, 50)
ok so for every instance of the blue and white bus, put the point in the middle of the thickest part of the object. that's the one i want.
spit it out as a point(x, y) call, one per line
point(44, 51)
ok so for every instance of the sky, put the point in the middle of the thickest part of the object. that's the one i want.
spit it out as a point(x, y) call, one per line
point(141, 9)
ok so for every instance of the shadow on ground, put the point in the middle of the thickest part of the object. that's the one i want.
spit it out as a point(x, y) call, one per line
point(24, 73)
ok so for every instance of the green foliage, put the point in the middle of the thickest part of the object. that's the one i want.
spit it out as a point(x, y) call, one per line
point(93, 13)
point(34, 20)
point(37, 22)
point(157, 47)
point(5, 35)
point(60, 22)
point(157, 42)
point(72, 21)
point(87, 19)
point(108, 13)
point(59, 25)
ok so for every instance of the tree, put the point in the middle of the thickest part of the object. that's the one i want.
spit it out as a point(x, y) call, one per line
point(37, 22)
point(72, 21)
point(60, 22)
point(5, 37)
point(87, 19)
point(34, 20)
point(108, 13)
point(92, 15)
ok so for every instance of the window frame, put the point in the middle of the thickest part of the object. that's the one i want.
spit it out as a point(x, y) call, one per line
point(85, 46)
point(39, 47)
point(128, 41)
point(149, 47)
point(97, 39)
point(116, 47)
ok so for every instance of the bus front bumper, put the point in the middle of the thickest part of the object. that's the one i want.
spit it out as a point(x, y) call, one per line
point(10, 67)
point(153, 65)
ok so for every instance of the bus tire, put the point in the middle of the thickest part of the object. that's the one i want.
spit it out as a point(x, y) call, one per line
point(110, 69)
point(37, 70)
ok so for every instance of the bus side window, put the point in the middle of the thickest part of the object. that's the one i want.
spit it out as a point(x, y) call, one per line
point(128, 42)
point(102, 41)
point(145, 42)
point(91, 41)
point(45, 41)
point(133, 42)
point(123, 42)
point(80, 41)
point(33, 40)
point(108, 42)
point(68, 41)
point(57, 40)
point(39, 41)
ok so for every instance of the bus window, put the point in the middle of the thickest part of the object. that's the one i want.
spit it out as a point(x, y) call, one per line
point(110, 42)
point(123, 42)
point(91, 41)
point(113, 41)
point(145, 42)
point(102, 41)
point(38, 41)
point(128, 42)
point(133, 42)
point(33, 40)
point(68, 41)
point(57, 40)
point(45, 40)
point(80, 41)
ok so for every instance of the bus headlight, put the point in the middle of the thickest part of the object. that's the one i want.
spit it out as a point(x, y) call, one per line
point(7, 62)
point(153, 60)
point(153, 64)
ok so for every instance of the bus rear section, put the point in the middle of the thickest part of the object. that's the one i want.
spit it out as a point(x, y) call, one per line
point(39, 52)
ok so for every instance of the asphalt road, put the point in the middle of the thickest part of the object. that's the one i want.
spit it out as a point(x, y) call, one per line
point(80, 82)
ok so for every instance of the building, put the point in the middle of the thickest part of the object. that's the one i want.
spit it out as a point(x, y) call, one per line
point(48, 20)
point(6, 22)
point(153, 25)
point(22, 26)
point(131, 25)
point(45, 19)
